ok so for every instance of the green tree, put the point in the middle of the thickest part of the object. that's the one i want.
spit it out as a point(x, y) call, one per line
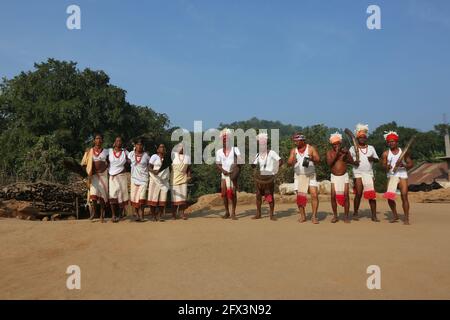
point(58, 100)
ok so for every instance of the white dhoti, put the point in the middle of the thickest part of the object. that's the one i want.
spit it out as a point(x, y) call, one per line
point(391, 191)
point(230, 188)
point(339, 183)
point(138, 195)
point(302, 182)
point(99, 187)
point(118, 189)
point(179, 194)
point(393, 180)
point(368, 186)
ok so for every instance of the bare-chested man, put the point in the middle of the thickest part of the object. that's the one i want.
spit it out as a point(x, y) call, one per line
point(398, 176)
point(304, 157)
point(337, 159)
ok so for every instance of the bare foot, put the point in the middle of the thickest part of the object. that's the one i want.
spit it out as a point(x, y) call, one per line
point(375, 219)
point(346, 220)
point(393, 220)
point(355, 217)
point(334, 220)
point(406, 222)
point(226, 216)
point(258, 216)
point(315, 221)
point(233, 217)
point(302, 219)
point(273, 218)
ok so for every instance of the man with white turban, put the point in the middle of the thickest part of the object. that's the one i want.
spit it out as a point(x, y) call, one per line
point(227, 159)
point(268, 162)
point(363, 172)
point(337, 159)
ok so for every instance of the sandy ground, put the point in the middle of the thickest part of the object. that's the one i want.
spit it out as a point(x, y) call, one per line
point(207, 257)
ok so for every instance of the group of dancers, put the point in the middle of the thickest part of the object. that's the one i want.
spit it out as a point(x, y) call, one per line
point(153, 176)
point(304, 158)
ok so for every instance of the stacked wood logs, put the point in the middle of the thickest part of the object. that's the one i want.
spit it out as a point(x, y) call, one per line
point(46, 196)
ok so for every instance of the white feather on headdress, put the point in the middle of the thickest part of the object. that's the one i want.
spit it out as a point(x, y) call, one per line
point(262, 136)
point(225, 132)
point(386, 133)
point(336, 135)
point(362, 127)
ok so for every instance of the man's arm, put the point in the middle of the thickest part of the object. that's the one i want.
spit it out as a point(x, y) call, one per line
point(349, 158)
point(292, 160)
point(219, 167)
point(315, 155)
point(409, 162)
point(331, 159)
point(384, 161)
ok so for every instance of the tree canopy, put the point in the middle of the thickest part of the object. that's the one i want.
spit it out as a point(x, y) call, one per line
point(56, 109)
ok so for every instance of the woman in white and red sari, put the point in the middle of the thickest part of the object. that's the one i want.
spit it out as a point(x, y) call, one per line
point(118, 179)
point(139, 179)
point(98, 191)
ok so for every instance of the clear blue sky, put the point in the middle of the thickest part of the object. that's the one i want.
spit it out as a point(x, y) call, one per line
point(300, 62)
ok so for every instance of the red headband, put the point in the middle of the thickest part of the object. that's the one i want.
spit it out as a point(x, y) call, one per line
point(392, 136)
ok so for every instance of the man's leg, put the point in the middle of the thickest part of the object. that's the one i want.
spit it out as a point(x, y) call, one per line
point(393, 207)
point(272, 208)
point(225, 199)
point(334, 204)
point(358, 196)
point(347, 203)
point(258, 204)
point(301, 211)
point(403, 184)
point(234, 202)
point(373, 209)
point(314, 203)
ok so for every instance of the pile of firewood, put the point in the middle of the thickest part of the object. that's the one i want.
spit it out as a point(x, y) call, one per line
point(46, 196)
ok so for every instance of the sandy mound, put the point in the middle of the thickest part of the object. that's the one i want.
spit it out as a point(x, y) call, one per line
point(439, 195)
